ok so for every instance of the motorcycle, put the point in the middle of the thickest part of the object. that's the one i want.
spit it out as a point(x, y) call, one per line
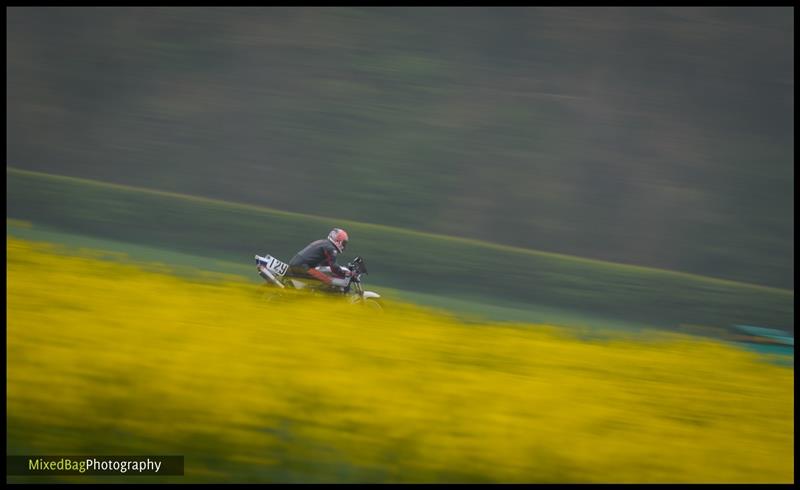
point(273, 271)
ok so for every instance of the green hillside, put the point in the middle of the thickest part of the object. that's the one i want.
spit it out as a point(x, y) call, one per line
point(659, 136)
point(399, 258)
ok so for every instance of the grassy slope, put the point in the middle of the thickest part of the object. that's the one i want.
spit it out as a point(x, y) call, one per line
point(419, 262)
point(470, 310)
point(181, 263)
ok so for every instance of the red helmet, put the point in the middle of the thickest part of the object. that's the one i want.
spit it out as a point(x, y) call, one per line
point(338, 238)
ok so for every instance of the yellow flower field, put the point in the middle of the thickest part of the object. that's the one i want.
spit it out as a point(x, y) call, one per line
point(106, 357)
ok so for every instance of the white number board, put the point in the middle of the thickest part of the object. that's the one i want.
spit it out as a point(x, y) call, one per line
point(276, 266)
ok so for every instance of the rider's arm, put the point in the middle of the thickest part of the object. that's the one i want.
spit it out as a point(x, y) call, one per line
point(336, 269)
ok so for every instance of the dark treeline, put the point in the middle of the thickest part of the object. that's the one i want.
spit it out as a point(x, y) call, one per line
point(652, 136)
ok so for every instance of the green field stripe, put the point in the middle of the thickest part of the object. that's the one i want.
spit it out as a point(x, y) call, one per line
point(410, 233)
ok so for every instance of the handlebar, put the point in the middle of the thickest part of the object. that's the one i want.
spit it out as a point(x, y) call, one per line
point(357, 265)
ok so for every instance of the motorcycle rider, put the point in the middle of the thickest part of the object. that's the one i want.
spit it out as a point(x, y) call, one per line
point(320, 253)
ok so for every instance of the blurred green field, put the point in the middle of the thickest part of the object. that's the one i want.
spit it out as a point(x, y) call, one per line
point(421, 263)
point(112, 356)
point(187, 265)
point(469, 310)
point(549, 128)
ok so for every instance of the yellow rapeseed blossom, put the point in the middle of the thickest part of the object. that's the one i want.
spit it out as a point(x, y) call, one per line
point(106, 357)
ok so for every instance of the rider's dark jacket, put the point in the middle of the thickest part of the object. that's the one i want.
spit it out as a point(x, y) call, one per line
point(318, 253)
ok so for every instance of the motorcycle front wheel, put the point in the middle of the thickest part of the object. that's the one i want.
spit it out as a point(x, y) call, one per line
point(373, 304)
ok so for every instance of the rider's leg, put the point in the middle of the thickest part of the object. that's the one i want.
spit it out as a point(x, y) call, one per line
point(301, 272)
point(335, 283)
point(327, 281)
point(320, 275)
